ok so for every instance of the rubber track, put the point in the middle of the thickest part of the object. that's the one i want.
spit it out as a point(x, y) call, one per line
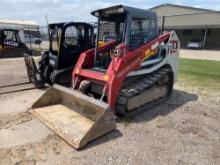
point(135, 88)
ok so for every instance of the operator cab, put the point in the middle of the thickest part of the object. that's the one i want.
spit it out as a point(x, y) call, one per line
point(67, 41)
point(11, 41)
point(9, 37)
point(122, 25)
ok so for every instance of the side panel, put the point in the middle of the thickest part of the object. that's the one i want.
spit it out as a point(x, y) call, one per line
point(173, 54)
point(120, 67)
point(172, 58)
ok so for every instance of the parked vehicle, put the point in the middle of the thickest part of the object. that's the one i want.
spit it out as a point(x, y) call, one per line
point(11, 42)
point(194, 44)
point(67, 40)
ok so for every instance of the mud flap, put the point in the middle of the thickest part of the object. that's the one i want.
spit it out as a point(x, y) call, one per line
point(34, 75)
point(77, 118)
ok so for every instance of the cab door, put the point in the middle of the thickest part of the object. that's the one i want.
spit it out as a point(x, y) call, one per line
point(72, 45)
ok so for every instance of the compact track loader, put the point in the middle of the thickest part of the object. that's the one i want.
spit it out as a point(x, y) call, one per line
point(129, 73)
point(66, 42)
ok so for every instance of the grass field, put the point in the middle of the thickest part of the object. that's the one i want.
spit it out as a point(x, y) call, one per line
point(200, 73)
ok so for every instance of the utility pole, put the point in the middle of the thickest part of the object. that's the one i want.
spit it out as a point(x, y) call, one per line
point(46, 20)
point(47, 23)
point(163, 23)
point(48, 31)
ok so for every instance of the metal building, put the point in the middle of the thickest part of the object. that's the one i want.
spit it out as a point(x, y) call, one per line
point(28, 26)
point(191, 23)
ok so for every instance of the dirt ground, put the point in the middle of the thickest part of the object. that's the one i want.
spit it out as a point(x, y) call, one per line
point(183, 130)
point(200, 54)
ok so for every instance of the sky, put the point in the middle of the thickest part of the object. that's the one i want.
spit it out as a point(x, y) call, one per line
point(79, 10)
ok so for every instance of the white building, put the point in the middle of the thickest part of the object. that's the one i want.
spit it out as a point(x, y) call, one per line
point(191, 23)
point(30, 26)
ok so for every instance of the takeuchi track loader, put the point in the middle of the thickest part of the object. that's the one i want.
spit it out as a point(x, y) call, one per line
point(131, 71)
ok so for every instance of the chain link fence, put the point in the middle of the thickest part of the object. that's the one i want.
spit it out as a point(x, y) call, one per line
point(37, 40)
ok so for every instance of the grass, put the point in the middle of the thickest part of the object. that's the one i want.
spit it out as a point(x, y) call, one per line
point(200, 73)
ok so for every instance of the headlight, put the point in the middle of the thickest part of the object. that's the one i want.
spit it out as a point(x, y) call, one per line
point(120, 50)
point(51, 62)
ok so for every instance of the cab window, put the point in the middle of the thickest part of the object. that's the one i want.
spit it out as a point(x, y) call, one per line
point(10, 36)
point(74, 35)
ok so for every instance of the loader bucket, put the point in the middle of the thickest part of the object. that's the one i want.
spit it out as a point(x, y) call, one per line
point(75, 117)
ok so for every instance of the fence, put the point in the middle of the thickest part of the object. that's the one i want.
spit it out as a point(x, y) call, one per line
point(37, 40)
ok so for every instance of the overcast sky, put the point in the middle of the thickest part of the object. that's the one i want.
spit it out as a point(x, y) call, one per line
point(79, 10)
